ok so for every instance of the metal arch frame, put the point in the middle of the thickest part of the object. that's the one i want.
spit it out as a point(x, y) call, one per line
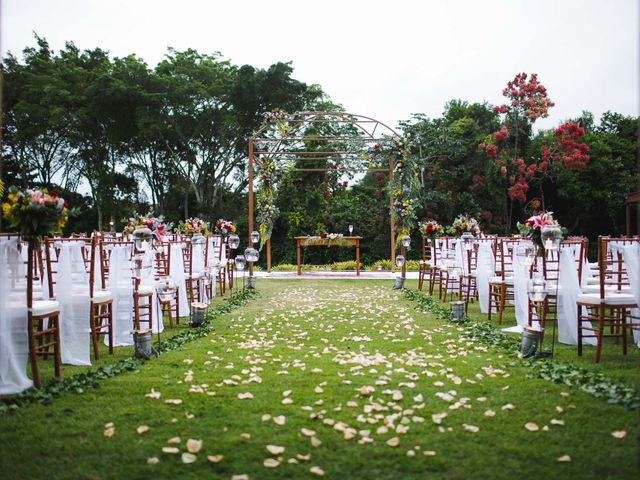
point(371, 130)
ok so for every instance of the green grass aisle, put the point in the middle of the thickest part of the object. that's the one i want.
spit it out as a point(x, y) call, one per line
point(341, 379)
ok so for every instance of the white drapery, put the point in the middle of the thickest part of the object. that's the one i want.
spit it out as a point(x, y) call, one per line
point(484, 271)
point(121, 287)
point(14, 339)
point(176, 272)
point(631, 256)
point(72, 292)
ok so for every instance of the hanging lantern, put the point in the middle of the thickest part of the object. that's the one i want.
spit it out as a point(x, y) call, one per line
point(537, 289)
point(251, 255)
point(551, 236)
point(198, 239)
point(468, 240)
point(234, 241)
point(406, 241)
point(526, 254)
point(255, 237)
point(400, 261)
point(166, 289)
point(240, 262)
point(142, 239)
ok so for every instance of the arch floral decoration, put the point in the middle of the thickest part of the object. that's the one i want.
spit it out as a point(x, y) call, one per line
point(360, 143)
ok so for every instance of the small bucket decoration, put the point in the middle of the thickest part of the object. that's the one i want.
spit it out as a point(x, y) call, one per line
point(530, 341)
point(198, 314)
point(142, 343)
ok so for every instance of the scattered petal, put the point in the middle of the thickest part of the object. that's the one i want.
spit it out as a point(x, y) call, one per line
point(393, 442)
point(194, 446)
point(429, 453)
point(315, 442)
point(142, 429)
point(215, 458)
point(173, 401)
point(470, 428)
point(170, 450)
point(280, 420)
point(532, 427)
point(188, 458)
point(271, 463)
point(317, 471)
point(153, 460)
point(275, 449)
point(307, 433)
point(109, 431)
point(153, 394)
point(619, 434)
point(174, 440)
point(564, 459)
point(245, 396)
point(489, 413)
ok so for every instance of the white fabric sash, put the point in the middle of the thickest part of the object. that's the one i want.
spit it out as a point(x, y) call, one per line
point(72, 292)
point(176, 272)
point(121, 287)
point(14, 338)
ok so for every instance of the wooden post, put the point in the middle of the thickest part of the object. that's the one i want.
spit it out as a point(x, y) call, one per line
point(250, 197)
point(391, 222)
point(269, 256)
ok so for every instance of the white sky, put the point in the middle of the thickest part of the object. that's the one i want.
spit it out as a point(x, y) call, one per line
point(383, 59)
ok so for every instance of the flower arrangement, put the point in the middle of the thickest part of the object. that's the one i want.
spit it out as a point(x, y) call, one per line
point(431, 229)
point(224, 227)
point(156, 224)
point(35, 213)
point(266, 208)
point(193, 226)
point(532, 227)
point(463, 223)
point(328, 238)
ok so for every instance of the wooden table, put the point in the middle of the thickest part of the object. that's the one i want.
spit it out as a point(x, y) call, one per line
point(353, 242)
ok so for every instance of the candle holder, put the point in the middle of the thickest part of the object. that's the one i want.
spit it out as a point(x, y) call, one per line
point(198, 314)
point(456, 311)
point(142, 239)
point(551, 236)
point(251, 255)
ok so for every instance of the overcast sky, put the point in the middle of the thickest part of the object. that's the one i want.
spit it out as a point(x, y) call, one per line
point(384, 59)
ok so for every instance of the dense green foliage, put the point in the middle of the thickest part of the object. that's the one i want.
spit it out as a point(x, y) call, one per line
point(174, 138)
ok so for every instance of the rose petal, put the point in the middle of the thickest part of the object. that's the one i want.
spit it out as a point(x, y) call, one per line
point(317, 471)
point(619, 434)
point(194, 446)
point(280, 420)
point(564, 459)
point(142, 429)
point(271, 463)
point(188, 458)
point(215, 458)
point(393, 442)
point(153, 460)
point(275, 449)
point(307, 433)
point(170, 450)
point(532, 427)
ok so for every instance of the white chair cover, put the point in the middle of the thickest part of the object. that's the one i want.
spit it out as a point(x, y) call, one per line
point(484, 271)
point(72, 292)
point(521, 300)
point(631, 256)
point(121, 287)
point(568, 291)
point(14, 338)
point(149, 282)
point(198, 266)
point(176, 272)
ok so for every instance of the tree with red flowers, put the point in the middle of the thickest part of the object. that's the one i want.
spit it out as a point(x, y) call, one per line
point(507, 147)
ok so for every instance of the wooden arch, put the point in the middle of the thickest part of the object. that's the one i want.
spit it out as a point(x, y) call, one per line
point(288, 145)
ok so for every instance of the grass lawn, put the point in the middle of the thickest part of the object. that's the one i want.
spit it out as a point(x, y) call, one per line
point(340, 378)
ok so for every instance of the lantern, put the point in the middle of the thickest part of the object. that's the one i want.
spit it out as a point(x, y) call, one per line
point(400, 261)
point(234, 241)
point(468, 240)
point(537, 289)
point(166, 289)
point(142, 238)
point(456, 311)
point(551, 236)
point(406, 241)
point(240, 262)
point(255, 236)
point(251, 255)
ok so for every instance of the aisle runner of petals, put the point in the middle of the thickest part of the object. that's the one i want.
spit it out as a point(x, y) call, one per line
point(410, 389)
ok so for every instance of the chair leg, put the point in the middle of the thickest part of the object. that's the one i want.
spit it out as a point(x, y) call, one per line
point(600, 332)
point(56, 347)
point(579, 321)
point(95, 322)
point(32, 355)
point(503, 295)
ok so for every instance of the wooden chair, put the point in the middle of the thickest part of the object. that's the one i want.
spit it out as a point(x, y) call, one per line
point(162, 262)
point(426, 264)
point(43, 321)
point(610, 306)
point(501, 285)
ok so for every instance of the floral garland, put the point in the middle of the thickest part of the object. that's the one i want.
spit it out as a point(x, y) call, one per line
point(266, 208)
point(35, 213)
point(403, 187)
